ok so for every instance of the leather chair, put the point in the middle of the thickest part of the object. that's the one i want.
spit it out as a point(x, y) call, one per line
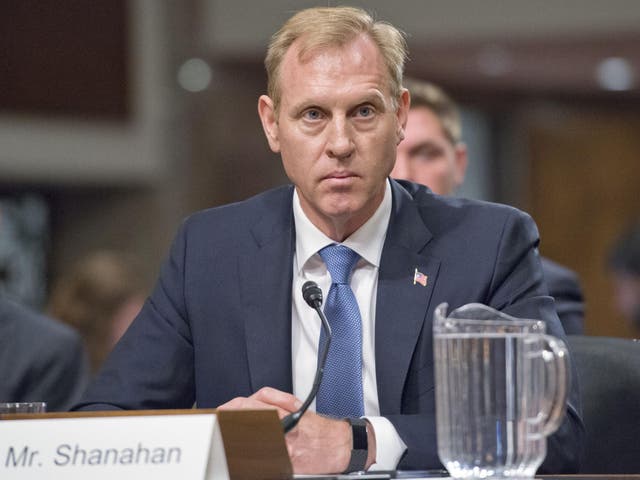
point(609, 376)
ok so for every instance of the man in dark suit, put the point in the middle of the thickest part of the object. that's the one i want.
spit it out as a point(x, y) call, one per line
point(226, 325)
point(433, 154)
point(623, 264)
point(40, 359)
point(564, 287)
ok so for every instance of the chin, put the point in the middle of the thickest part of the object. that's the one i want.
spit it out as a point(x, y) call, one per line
point(338, 201)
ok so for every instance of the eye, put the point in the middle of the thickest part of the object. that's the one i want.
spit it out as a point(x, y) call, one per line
point(364, 111)
point(427, 153)
point(312, 114)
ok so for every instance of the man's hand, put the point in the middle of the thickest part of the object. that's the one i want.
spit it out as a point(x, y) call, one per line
point(318, 444)
point(265, 398)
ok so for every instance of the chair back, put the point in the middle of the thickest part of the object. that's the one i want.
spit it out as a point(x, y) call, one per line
point(609, 377)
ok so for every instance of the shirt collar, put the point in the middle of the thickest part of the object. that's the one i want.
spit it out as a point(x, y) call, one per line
point(367, 241)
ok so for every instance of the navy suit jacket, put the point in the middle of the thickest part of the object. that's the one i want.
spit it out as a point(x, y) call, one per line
point(41, 359)
point(564, 287)
point(218, 324)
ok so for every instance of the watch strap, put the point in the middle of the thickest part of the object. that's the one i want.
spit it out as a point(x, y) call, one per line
point(360, 446)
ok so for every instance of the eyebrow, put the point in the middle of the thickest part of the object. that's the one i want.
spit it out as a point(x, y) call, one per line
point(376, 98)
point(427, 144)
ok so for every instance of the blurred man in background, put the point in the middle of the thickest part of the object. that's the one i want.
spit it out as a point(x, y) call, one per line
point(624, 265)
point(433, 154)
point(99, 296)
point(41, 360)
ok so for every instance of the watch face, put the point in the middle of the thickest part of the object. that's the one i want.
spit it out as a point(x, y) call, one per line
point(23, 239)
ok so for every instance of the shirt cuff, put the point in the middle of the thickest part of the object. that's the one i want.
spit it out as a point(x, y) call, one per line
point(389, 445)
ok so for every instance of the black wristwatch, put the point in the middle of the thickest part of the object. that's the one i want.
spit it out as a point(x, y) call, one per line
point(360, 447)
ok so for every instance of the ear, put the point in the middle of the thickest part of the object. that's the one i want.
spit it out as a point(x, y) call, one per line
point(267, 114)
point(402, 113)
point(461, 164)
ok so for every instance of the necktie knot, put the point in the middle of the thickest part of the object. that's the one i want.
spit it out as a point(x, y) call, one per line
point(340, 260)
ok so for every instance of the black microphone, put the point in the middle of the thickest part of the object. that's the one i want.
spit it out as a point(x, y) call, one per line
point(313, 296)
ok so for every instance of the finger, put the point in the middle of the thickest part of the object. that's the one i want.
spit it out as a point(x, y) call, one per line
point(244, 403)
point(251, 403)
point(278, 398)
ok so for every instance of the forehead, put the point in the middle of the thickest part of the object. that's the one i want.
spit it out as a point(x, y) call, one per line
point(357, 63)
point(423, 122)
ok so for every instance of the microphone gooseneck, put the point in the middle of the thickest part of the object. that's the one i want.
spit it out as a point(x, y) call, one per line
point(312, 294)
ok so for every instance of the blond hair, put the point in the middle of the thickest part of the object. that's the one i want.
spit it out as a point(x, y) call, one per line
point(322, 27)
point(428, 95)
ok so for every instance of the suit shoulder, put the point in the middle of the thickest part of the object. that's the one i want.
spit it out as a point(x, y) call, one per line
point(447, 210)
point(559, 277)
point(481, 207)
point(451, 205)
point(248, 211)
point(232, 226)
point(42, 331)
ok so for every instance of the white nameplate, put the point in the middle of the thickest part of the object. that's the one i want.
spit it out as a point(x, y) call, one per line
point(161, 447)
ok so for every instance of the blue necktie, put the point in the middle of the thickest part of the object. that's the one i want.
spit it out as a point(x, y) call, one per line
point(340, 393)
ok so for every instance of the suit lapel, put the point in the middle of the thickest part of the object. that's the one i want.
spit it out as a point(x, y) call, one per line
point(401, 304)
point(266, 276)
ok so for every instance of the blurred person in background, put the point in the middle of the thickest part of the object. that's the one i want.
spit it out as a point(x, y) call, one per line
point(99, 296)
point(433, 154)
point(41, 360)
point(24, 231)
point(624, 265)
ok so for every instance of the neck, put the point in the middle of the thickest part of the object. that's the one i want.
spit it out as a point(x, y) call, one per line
point(339, 227)
point(337, 230)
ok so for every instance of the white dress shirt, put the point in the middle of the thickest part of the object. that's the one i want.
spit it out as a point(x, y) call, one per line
point(367, 241)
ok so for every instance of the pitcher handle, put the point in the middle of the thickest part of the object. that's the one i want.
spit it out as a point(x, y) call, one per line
point(556, 360)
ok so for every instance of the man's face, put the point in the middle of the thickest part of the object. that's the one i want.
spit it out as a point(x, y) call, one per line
point(627, 296)
point(337, 130)
point(427, 156)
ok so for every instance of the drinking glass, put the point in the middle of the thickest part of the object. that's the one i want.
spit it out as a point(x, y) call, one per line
point(23, 407)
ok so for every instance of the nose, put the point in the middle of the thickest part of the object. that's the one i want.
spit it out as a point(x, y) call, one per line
point(340, 144)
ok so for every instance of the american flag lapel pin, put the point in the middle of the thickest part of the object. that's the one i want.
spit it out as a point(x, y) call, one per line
point(419, 277)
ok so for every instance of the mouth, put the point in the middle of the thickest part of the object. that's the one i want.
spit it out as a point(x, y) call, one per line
point(340, 176)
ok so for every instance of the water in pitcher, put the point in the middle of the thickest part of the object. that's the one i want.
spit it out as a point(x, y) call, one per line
point(494, 395)
point(487, 405)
